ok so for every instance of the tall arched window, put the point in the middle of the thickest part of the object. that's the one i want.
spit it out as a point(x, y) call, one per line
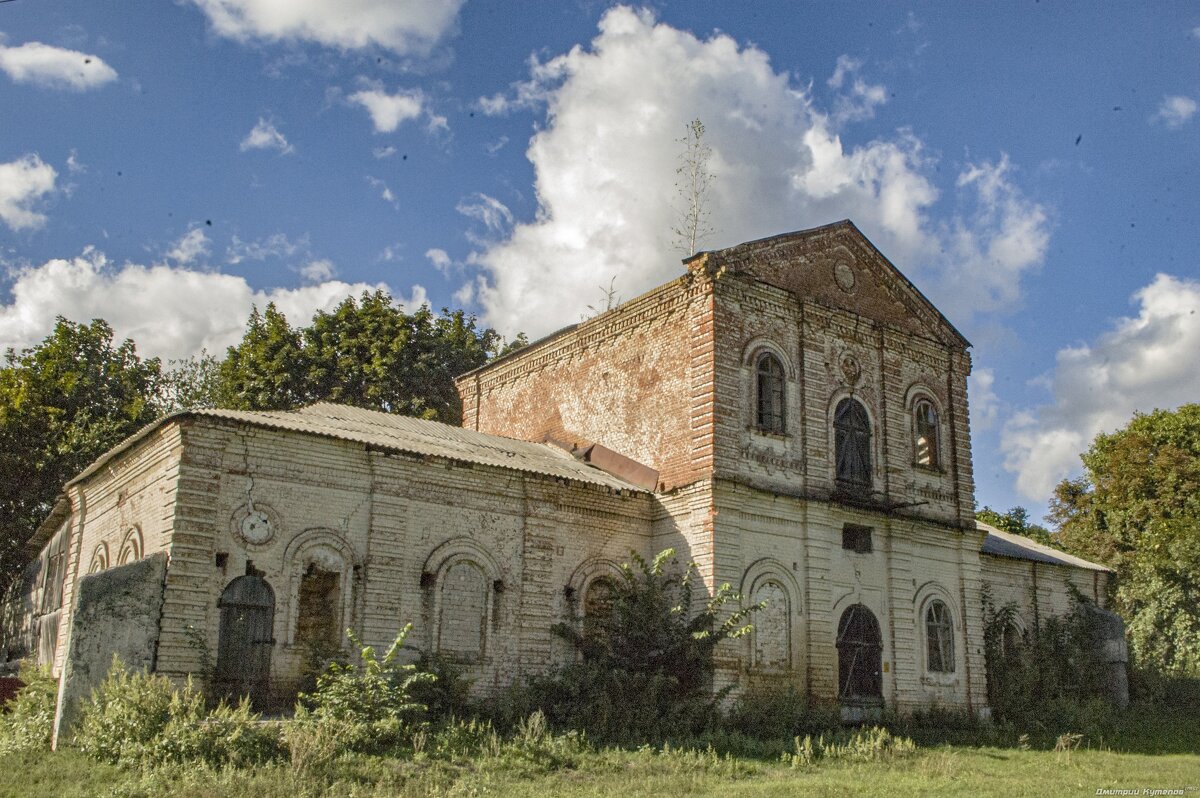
point(939, 637)
point(462, 629)
point(769, 381)
point(772, 627)
point(852, 446)
point(925, 419)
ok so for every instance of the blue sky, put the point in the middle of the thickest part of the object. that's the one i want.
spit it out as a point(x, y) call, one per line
point(1032, 167)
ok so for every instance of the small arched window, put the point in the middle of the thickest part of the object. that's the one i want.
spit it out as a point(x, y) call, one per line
point(852, 446)
point(769, 382)
point(599, 598)
point(939, 637)
point(926, 423)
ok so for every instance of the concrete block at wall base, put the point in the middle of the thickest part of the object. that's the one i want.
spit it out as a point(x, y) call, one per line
point(117, 612)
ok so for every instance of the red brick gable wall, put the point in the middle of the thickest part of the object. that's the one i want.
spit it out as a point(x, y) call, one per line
point(637, 379)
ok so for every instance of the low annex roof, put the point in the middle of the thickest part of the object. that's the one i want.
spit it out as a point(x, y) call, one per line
point(1018, 547)
point(398, 434)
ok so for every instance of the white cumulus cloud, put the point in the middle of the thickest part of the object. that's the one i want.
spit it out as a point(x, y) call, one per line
point(192, 246)
point(23, 183)
point(440, 259)
point(605, 162)
point(1175, 110)
point(388, 111)
point(54, 67)
point(406, 27)
point(857, 98)
point(169, 311)
point(265, 136)
point(1141, 363)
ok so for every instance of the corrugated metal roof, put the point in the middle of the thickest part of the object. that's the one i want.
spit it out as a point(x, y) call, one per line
point(1019, 547)
point(401, 434)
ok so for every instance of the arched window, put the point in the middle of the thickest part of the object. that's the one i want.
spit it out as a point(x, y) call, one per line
point(769, 381)
point(925, 419)
point(772, 627)
point(464, 602)
point(598, 599)
point(860, 656)
point(852, 446)
point(939, 637)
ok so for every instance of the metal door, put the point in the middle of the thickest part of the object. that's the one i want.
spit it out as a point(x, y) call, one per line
point(246, 639)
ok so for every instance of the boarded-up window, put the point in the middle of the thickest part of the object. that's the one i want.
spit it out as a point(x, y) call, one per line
point(939, 637)
point(852, 446)
point(318, 626)
point(463, 621)
point(769, 383)
point(773, 627)
point(926, 422)
point(56, 571)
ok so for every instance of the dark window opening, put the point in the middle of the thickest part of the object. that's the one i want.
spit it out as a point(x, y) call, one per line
point(860, 656)
point(598, 600)
point(939, 638)
point(852, 447)
point(769, 382)
point(320, 610)
point(1011, 641)
point(856, 538)
point(926, 421)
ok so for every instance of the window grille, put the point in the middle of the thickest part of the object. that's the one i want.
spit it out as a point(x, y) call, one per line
point(769, 378)
point(939, 637)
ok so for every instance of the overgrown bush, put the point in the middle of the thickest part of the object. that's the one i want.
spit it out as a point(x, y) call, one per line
point(370, 702)
point(767, 713)
point(28, 721)
point(1050, 678)
point(644, 669)
point(448, 694)
point(136, 718)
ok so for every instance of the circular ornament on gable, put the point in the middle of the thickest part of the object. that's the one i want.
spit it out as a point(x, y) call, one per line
point(843, 275)
point(255, 525)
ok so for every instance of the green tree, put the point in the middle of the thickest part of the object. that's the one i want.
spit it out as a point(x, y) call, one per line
point(1137, 510)
point(367, 352)
point(645, 666)
point(268, 369)
point(1016, 522)
point(190, 383)
point(63, 403)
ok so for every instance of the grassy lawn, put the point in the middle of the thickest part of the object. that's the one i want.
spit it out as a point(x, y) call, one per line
point(944, 770)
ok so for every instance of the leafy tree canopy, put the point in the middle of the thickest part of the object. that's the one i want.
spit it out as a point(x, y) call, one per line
point(1137, 510)
point(367, 352)
point(1016, 522)
point(62, 404)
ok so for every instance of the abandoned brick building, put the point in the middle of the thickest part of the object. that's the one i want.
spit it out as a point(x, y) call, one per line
point(790, 414)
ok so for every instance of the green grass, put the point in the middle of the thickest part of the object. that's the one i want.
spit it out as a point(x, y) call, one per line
point(945, 770)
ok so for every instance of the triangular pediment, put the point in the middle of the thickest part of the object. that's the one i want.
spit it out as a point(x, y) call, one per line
point(837, 266)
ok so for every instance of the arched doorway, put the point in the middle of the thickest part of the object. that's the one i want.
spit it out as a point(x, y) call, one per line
point(246, 639)
point(860, 657)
